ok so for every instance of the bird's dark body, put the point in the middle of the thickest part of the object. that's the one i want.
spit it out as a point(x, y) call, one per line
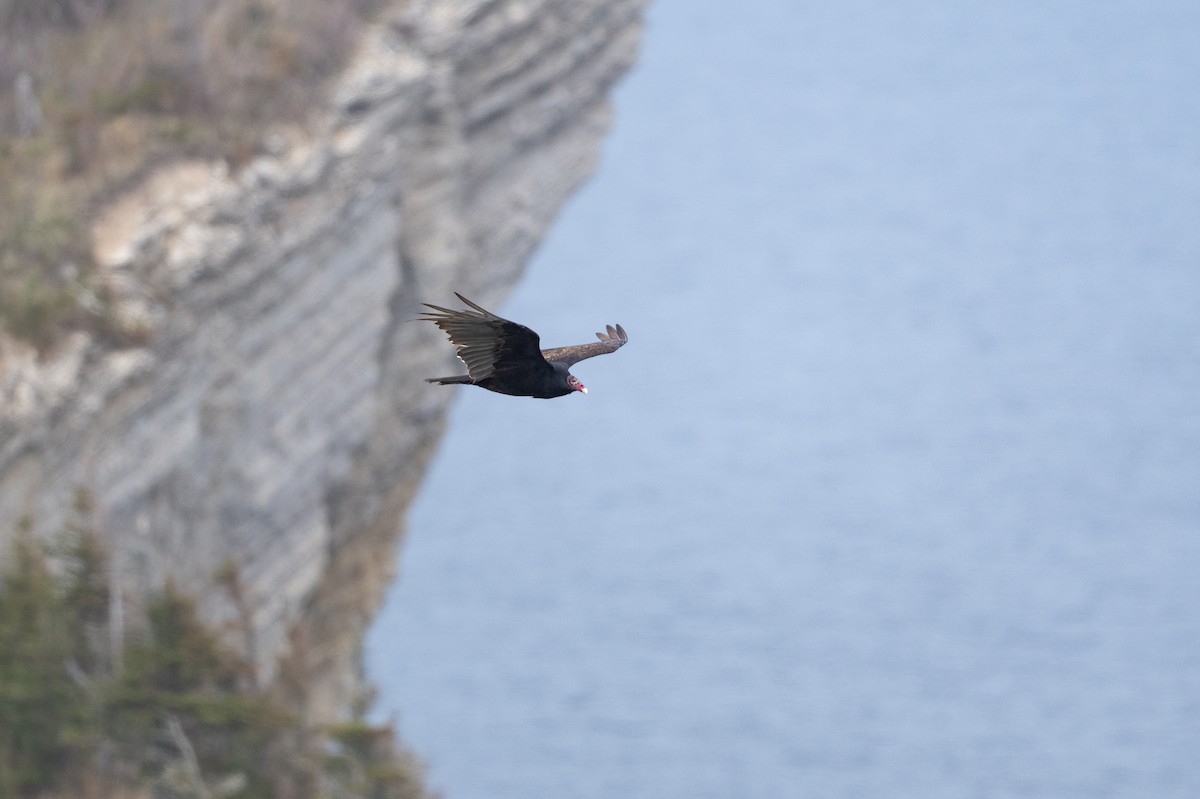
point(505, 357)
point(539, 386)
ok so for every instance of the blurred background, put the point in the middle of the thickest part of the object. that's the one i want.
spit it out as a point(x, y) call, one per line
point(896, 489)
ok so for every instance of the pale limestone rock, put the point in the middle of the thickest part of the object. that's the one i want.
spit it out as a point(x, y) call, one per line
point(277, 416)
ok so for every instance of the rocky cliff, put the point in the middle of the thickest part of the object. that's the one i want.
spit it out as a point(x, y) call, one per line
point(275, 418)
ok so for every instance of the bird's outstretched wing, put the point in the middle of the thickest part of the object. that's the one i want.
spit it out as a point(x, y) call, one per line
point(486, 343)
point(610, 342)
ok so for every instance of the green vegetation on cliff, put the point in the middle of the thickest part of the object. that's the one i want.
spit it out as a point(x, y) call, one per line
point(93, 92)
point(164, 707)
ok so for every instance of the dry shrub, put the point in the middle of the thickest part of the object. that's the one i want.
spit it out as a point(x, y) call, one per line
point(122, 85)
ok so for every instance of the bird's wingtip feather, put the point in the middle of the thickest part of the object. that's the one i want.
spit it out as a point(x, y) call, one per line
point(474, 305)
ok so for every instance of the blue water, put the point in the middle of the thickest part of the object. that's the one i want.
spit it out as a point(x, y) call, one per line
point(895, 491)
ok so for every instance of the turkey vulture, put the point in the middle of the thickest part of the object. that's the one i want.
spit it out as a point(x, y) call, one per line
point(506, 357)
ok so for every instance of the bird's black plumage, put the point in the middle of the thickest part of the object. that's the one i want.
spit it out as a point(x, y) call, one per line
point(506, 357)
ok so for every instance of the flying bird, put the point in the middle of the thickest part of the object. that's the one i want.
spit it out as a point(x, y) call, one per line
point(506, 357)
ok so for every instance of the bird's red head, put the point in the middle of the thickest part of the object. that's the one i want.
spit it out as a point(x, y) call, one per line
point(576, 384)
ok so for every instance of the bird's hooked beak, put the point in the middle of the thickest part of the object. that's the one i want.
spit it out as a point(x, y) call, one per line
point(583, 388)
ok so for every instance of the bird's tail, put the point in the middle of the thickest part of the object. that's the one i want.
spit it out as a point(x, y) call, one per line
point(450, 381)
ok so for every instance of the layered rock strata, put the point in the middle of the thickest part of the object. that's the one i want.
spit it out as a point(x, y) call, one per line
point(275, 419)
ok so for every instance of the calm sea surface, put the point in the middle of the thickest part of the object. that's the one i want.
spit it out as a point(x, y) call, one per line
point(895, 491)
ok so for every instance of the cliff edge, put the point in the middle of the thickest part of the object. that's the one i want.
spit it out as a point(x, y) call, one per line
point(275, 419)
